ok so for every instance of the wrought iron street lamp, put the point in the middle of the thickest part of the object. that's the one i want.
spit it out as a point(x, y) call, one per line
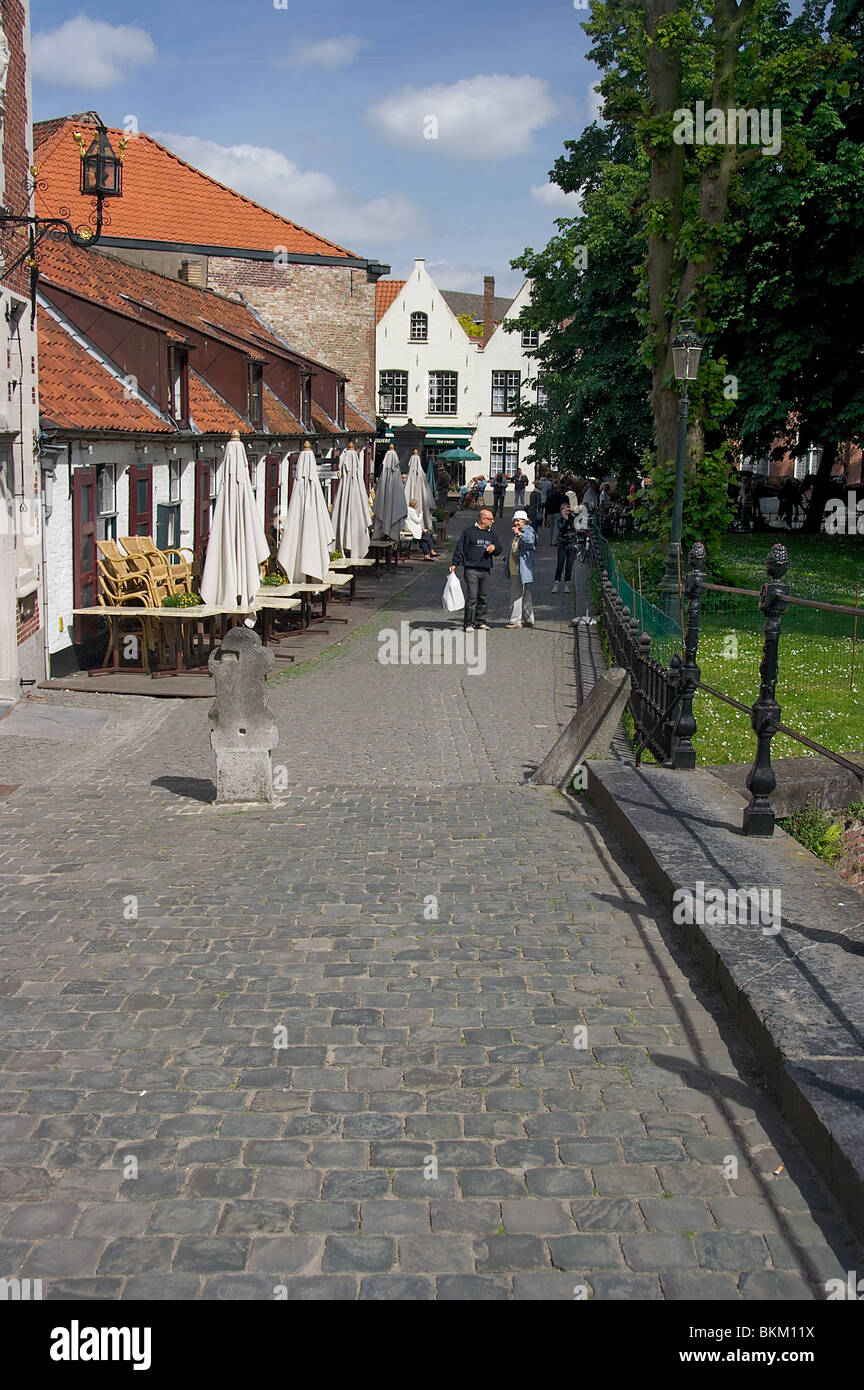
point(686, 352)
point(101, 168)
point(101, 178)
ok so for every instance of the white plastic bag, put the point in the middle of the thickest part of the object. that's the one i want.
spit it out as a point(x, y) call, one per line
point(453, 595)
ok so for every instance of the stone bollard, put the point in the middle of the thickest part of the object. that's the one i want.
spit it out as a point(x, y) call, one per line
point(244, 729)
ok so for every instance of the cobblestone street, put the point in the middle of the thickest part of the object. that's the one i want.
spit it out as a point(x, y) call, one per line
point(430, 934)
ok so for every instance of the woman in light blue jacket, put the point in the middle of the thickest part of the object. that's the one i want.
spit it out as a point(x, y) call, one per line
point(520, 565)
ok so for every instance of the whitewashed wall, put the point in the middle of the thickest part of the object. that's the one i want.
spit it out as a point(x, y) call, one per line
point(450, 349)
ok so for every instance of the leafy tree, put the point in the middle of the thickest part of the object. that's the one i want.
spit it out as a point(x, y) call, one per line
point(789, 312)
point(593, 414)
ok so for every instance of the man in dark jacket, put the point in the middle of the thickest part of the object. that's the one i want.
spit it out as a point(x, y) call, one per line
point(499, 491)
point(555, 500)
point(474, 551)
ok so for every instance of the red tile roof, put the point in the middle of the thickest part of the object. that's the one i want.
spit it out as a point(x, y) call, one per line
point(322, 422)
point(210, 412)
point(164, 198)
point(144, 296)
point(277, 416)
point(356, 422)
point(385, 292)
point(76, 391)
point(125, 288)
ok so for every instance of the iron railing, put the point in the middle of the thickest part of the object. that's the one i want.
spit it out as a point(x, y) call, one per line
point(661, 696)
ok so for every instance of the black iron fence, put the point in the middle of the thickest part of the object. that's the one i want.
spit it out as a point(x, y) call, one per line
point(661, 698)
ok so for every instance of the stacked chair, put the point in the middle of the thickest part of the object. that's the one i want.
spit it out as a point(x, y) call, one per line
point(141, 576)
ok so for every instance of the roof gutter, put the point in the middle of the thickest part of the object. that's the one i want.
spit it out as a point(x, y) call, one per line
point(374, 269)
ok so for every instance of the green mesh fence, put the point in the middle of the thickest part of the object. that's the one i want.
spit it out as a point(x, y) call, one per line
point(665, 634)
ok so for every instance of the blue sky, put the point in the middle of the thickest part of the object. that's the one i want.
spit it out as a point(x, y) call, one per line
point(322, 111)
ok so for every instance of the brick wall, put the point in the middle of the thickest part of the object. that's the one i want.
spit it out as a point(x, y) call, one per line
point(322, 311)
point(16, 135)
point(850, 865)
point(28, 618)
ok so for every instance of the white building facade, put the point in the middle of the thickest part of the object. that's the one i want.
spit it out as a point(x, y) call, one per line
point(462, 390)
point(22, 637)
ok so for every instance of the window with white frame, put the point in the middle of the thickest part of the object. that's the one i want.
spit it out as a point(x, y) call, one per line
point(505, 392)
point(503, 456)
point(419, 327)
point(175, 467)
point(530, 338)
point(393, 393)
point(106, 502)
point(542, 394)
point(443, 392)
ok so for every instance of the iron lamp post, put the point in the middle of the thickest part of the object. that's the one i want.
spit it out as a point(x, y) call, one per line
point(686, 352)
point(101, 178)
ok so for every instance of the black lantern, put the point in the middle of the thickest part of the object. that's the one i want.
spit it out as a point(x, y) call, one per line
point(686, 351)
point(101, 169)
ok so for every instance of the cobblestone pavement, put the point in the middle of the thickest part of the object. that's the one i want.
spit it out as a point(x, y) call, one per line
point(427, 933)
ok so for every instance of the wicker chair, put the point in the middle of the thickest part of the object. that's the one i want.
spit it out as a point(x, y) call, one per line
point(170, 565)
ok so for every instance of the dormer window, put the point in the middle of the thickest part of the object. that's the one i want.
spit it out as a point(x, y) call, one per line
point(178, 369)
point(306, 401)
point(419, 328)
point(255, 374)
point(340, 404)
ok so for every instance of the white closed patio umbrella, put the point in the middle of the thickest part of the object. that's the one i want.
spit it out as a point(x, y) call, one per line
point(308, 537)
point(417, 486)
point(391, 505)
point(351, 515)
point(237, 547)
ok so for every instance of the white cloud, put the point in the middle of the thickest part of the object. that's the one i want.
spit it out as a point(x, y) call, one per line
point(325, 53)
point(551, 196)
point(306, 196)
point(483, 117)
point(90, 54)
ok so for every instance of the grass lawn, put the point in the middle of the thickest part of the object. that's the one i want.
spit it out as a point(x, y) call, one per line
point(813, 686)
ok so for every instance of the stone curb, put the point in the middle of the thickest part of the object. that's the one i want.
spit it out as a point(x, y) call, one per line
point(797, 996)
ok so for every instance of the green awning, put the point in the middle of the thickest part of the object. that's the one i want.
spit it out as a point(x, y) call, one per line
point(436, 437)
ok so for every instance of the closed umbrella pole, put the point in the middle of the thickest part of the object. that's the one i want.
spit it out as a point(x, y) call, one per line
point(416, 487)
point(391, 506)
point(308, 537)
point(351, 515)
point(237, 546)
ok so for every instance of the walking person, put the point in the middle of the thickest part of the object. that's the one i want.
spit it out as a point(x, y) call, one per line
point(555, 500)
point(568, 541)
point(519, 485)
point(499, 491)
point(520, 566)
point(443, 483)
point(580, 526)
point(474, 551)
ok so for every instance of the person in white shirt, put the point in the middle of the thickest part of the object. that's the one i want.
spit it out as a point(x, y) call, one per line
point(414, 526)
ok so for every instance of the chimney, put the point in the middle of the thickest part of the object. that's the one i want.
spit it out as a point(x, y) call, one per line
point(488, 307)
point(193, 273)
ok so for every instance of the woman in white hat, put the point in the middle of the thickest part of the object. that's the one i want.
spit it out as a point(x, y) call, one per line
point(520, 565)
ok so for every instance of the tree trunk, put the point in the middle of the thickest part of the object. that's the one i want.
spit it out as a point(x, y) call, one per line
point(821, 489)
point(666, 187)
